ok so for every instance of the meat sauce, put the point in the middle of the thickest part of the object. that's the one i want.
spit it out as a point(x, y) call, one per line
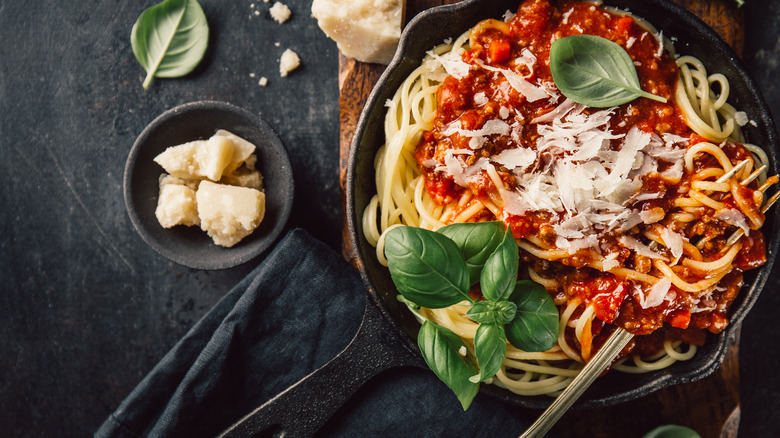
point(536, 24)
point(533, 29)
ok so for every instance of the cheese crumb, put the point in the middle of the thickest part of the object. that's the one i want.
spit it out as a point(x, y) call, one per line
point(741, 118)
point(280, 12)
point(288, 62)
point(263, 81)
point(367, 30)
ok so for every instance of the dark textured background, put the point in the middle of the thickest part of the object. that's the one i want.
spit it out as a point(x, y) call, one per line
point(86, 308)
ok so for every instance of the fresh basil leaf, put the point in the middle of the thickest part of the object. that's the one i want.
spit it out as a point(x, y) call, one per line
point(482, 312)
point(672, 431)
point(426, 267)
point(501, 312)
point(535, 327)
point(476, 241)
point(490, 349)
point(500, 272)
point(170, 39)
point(505, 311)
point(440, 349)
point(595, 71)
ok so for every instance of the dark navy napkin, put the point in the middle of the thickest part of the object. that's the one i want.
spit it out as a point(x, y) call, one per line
point(292, 314)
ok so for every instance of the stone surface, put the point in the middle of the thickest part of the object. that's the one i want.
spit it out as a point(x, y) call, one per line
point(86, 307)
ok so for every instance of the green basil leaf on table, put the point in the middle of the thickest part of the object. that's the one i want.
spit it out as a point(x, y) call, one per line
point(170, 39)
point(535, 327)
point(440, 348)
point(595, 72)
point(426, 267)
point(486, 312)
point(500, 273)
point(490, 349)
point(476, 241)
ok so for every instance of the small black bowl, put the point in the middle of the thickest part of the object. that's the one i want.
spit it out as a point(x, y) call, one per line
point(693, 37)
point(190, 246)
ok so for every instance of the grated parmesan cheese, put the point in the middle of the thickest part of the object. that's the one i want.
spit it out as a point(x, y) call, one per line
point(639, 247)
point(674, 242)
point(531, 92)
point(734, 217)
point(655, 295)
point(452, 64)
point(516, 158)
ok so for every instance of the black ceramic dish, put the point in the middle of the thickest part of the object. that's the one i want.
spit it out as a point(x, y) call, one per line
point(190, 246)
point(430, 28)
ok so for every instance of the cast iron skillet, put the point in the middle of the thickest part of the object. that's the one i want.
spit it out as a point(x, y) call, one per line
point(387, 335)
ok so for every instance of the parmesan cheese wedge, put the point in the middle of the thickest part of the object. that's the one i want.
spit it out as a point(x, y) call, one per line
point(176, 204)
point(229, 213)
point(244, 177)
point(197, 159)
point(242, 150)
point(367, 30)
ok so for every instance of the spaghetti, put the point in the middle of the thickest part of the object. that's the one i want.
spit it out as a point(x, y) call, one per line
point(623, 214)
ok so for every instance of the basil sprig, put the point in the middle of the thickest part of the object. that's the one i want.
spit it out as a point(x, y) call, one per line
point(438, 269)
point(595, 72)
point(169, 39)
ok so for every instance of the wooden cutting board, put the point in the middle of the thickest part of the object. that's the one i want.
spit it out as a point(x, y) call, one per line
point(709, 406)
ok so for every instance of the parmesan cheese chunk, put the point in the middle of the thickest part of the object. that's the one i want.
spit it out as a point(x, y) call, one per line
point(176, 204)
point(367, 30)
point(242, 150)
point(220, 155)
point(244, 177)
point(228, 210)
point(229, 213)
point(197, 159)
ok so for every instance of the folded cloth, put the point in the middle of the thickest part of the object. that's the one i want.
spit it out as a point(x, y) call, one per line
point(293, 313)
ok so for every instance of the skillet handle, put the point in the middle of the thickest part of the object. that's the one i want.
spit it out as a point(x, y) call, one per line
point(306, 406)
